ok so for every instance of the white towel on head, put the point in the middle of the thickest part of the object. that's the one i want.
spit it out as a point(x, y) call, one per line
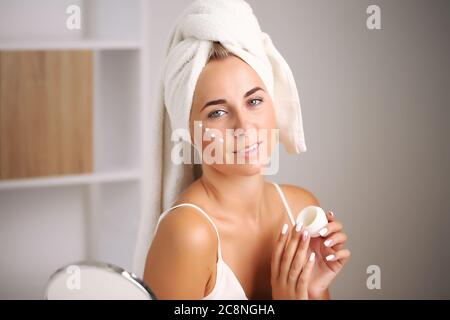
point(233, 24)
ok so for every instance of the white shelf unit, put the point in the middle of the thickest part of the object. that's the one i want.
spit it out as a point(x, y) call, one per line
point(70, 44)
point(70, 180)
point(47, 222)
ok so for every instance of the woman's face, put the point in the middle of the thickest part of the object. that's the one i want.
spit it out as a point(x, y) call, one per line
point(233, 106)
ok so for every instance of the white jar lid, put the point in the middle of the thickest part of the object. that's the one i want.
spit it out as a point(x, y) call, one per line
point(313, 219)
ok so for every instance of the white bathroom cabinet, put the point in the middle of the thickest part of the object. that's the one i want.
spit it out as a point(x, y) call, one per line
point(47, 222)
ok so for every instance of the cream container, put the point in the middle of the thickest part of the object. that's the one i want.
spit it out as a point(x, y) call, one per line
point(313, 219)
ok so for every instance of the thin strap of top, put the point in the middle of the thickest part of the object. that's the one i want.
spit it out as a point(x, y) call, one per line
point(283, 198)
point(199, 209)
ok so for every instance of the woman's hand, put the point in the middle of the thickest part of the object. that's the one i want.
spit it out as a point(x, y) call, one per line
point(291, 266)
point(330, 257)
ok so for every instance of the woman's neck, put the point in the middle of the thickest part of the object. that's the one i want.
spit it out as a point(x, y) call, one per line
point(237, 195)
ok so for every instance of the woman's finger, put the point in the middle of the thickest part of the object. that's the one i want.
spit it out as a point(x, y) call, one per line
point(330, 216)
point(299, 259)
point(278, 251)
point(305, 276)
point(335, 239)
point(289, 251)
point(330, 228)
point(339, 256)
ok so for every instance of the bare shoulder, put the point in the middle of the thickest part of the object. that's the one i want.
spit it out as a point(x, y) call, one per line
point(298, 197)
point(187, 226)
point(181, 256)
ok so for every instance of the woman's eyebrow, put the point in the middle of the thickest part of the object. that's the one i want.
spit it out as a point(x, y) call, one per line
point(252, 91)
point(213, 102)
point(221, 101)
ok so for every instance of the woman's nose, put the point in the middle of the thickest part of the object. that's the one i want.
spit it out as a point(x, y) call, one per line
point(244, 128)
point(243, 122)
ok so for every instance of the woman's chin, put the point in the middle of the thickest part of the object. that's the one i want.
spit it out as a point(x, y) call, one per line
point(247, 169)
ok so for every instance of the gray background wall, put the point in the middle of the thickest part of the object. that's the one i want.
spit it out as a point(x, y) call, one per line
point(376, 111)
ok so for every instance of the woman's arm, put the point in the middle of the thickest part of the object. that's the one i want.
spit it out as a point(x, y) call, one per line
point(179, 261)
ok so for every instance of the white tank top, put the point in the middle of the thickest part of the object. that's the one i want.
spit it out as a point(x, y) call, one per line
point(227, 286)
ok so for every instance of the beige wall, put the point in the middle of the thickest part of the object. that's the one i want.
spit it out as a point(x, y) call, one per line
point(376, 113)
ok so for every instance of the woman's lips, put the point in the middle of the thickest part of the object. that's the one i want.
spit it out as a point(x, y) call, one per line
point(249, 149)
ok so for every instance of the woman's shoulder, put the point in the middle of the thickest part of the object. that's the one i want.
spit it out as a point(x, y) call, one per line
point(298, 197)
point(187, 226)
point(183, 241)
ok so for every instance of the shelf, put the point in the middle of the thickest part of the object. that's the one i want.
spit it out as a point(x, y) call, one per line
point(50, 221)
point(83, 44)
point(67, 180)
point(42, 25)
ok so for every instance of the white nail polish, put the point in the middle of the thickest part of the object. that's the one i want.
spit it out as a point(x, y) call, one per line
point(323, 231)
point(328, 242)
point(332, 213)
point(221, 139)
point(305, 235)
point(212, 135)
point(330, 257)
point(312, 256)
point(206, 129)
point(298, 226)
point(285, 227)
point(200, 125)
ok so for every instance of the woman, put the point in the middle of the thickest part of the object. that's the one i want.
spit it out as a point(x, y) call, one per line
point(227, 235)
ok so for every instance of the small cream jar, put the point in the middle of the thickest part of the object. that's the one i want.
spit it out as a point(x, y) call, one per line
point(313, 219)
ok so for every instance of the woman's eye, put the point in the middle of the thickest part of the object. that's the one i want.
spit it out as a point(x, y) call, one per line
point(255, 102)
point(215, 114)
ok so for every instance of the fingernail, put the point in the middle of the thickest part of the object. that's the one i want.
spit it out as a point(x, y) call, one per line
point(305, 235)
point(330, 257)
point(284, 230)
point(328, 242)
point(298, 226)
point(332, 213)
point(323, 231)
point(312, 256)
